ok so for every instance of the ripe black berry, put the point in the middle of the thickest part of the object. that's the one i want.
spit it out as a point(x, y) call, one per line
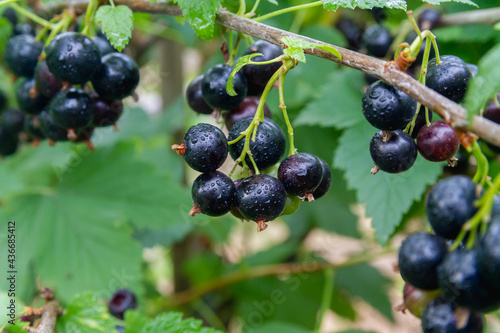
point(213, 87)
point(351, 31)
point(326, 180)
point(205, 147)
point(45, 82)
point(50, 130)
point(259, 74)
point(301, 174)
point(34, 132)
point(489, 251)
point(378, 14)
point(419, 256)
point(449, 204)
point(13, 121)
point(394, 155)
point(449, 78)
point(247, 108)
point(117, 78)
point(437, 142)
point(195, 98)
point(416, 300)
point(10, 14)
point(30, 105)
point(261, 198)
point(8, 143)
point(23, 29)
point(213, 194)
point(21, 54)
point(377, 40)
point(234, 210)
point(429, 19)
point(72, 109)
point(121, 301)
point(268, 147)
point(104, 46)
point(388, 108)
point(73, 57)
point(440, 317)
point(106, 113)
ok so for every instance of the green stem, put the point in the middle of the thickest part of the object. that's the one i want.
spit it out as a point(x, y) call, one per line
point(242, 8)
point(65, 21)
point(288, 10)
point(326, 299)
point(436, 50)
point(482, 164)
point(230, 60)
point(111, 2)
point(289, 127)
point(6, 2)
point(208, 314)
point(35, 18)
point(89, 16)
point(257, 2)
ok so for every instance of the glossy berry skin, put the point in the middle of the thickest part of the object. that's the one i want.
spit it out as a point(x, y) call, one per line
point(234, 210)
point(213, 87)
point(51, 130)
point(29, 128)
point(450, 78)
point(300, 174)
point(388, 108)
point(396, 155)
point(121, 301)
point(260, 74)
point(21, 54)
point(46, 83)
point(420, 121)
point(195, 98)
point(23, 29)
point(117, 78)
point(440, 317)
point(213, 193)
point(13, 121)
point(73, 108)
point(461, 282)
point(73, 57)
point(377, 40)
point(326, 180)
point(268, 147)
point(103, 45)
point(449, 204)
point(429, 19)
point(206, 147)
point(106, 113)
point(416, 300)
point(489, 252)
point(8, 143)
point(351, 31)
point(260, 198)
point(28, 104)
point(419, 256)
point(437, 142)
point(247, 108)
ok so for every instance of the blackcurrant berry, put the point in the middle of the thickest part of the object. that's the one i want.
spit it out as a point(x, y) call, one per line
point(21, 54)
point(11, 15)
point(195, 98)
point(213, 87)
point(51, 130)
point(416, 300)
point(84, 136)
point(489, 251)
point(268, 147)
point(45, 82)
point(419, 256)
point(205, 147)
point(13, 121)
point(3, 100)
point(352, 32)
point(429, 19)
point(440, 317)
point(121, 301)
point(234, 210)
point(449, 78)
point(213, 194)
point(378, 14)
point(117, 78)
point(247, 108)
point(437, 142)
point(104, 45)
point(394, 154)
point(8, 143)
point(106, 113)
point(23, 29)
point(420, 121)
point(27, 103)
point(326, 180)
point(301, 174)
point(72, 109)
point(261, 198)
point(388, 108)
point(449, 204)
point(73, 57)
point(377, 40)
point(260, 74)
point(34, 132)
point(462, 283)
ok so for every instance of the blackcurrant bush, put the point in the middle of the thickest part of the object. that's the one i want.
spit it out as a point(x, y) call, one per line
point(260, 74)
point(104, 45)
point(45, 82)
point(449, 78)
point(301, 174)
point(32, 128)
point(437, 142)
point(416, 300)
point(72, 109)
point(247, 108)
point(213, 194)
point(326, 180)
point(11, 15)
point(121, 301)
point(13, 121)
point(449, 204)
point(377, 40)
point(51, 130)
point(117, 78)
point(461, 282)
point(419, 256)
point(489, 251)
point(420, 121)
point(106, 113)
point(213, 87)
point(388, 108)
point(21, 54)
point(261, 198)
point(352, 32)
point(440, 317)
point(268, 147)
point(23, 29)
point(8, 143)
point(73, 57)
point(394, 154)
point(27, 103)
point(429, 19)
point(195, 98)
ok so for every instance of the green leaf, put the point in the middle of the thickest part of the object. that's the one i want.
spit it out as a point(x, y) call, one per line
point(5, 33)
point(486, 84)
point(117, 23)
point(295, 48)
point(280, 326)
point(135, 321)
point(438, 2)
point(201, 15)
point(364, 4)
point(242, 61)
point(172, 322)
point(386, 196)
point(86, 314)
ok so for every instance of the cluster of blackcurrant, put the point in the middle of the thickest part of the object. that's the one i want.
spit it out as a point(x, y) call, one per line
point(451, 288)
point(54, 97)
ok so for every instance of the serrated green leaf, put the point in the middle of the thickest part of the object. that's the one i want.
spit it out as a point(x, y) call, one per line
point(242, 61)
point(364, 4)
point(200, 15)
point(117, 23)
point(386, 196)
point(295, 48)
point(135, 321)
point(438, 2)
point(172, 322)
